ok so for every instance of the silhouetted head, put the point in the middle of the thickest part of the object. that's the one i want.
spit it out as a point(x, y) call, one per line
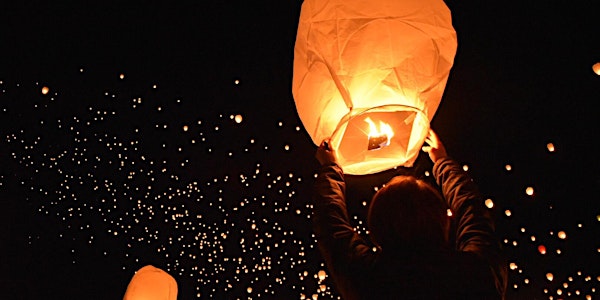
point(408, 213)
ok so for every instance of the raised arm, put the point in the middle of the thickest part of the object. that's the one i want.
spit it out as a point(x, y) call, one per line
point(475, 231)
point(339, 244)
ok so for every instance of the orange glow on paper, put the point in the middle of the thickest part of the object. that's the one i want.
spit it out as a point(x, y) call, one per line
point(596, 68)
point(542, 249)
point(322, 275)
point(385, 61)
point(238, 118)
point(45, 90)
point(529, 191)
point(151, 283)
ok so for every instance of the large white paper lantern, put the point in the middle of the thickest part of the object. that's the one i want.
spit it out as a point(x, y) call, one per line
point(361, 66)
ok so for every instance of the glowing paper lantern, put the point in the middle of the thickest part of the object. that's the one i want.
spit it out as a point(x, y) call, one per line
point(151, 283)
point(596, 68)
point(370, 75)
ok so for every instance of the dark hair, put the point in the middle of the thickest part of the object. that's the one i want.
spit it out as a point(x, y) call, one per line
point(408, 213)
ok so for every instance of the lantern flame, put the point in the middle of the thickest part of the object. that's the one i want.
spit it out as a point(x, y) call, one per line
point(379, 138)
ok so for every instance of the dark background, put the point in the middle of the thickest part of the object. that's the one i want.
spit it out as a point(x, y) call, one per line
point(522, 78)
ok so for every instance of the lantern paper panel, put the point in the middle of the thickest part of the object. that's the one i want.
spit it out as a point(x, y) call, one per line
point(353, 56)
point(151, 283)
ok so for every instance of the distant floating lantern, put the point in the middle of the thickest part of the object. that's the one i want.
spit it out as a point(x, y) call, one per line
point(596, 68)
point(370, 76)
point(507, 213)
point(549, 276)
point(562, 235)
point(550, 147)
point(45, 90)
point(238, 119)
point(542, 249)
point(489, 203)
point(150, 283)
point(529, 191)
point(185, 128)
point(321, 275)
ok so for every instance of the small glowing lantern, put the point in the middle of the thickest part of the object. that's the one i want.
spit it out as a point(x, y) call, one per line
point(151, 283)
point(321, 275)
point(238, 118)
point(45, 90)
point(596, 68)
point(370, 75)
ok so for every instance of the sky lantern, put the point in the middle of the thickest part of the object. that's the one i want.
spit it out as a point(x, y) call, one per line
point(151, 283)
point(596, 68)
point(370, 76)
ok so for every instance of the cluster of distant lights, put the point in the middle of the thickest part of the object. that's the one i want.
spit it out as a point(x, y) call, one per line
point(269, 252)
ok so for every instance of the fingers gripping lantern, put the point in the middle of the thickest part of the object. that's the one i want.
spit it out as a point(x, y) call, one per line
point(370, 75)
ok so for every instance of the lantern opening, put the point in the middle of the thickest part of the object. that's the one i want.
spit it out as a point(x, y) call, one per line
point(393, 136)
point(379, 138)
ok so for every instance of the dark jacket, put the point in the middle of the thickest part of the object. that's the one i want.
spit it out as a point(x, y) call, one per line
point(474, 269)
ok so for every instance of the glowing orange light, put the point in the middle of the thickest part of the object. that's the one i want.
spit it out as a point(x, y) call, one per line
point(238, 119)
point(321, 275)
point(449, 213)
point(529, 191)
point(542, 249)
point(45, 90)
point(562, 235)
point(596, 68)
point(379, 138)
point(508, 213)
point(150, 283)
point(550, 147)
point(489, 203)
point(549, 276)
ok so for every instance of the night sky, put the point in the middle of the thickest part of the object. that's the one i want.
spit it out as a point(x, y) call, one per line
point(169, 136)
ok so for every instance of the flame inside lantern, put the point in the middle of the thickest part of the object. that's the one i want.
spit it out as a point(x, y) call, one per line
point(379, 138)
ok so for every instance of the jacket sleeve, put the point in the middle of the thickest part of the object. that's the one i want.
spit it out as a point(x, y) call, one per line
point(475, 231)
point(341, 247)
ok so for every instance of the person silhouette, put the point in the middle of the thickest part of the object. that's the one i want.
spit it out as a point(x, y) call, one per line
point(419, 253)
